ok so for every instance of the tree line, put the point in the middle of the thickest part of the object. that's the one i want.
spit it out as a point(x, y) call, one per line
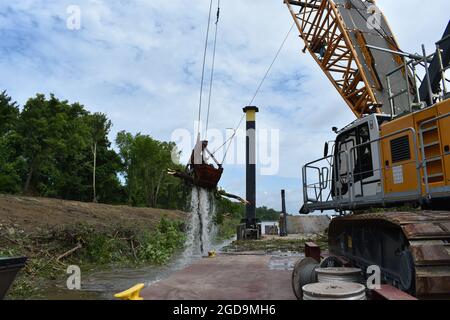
point(56, 149)
point(53, 148)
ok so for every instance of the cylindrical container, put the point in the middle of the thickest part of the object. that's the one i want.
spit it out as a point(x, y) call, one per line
point(325, 275)
point(334, 291)
point(304, 273)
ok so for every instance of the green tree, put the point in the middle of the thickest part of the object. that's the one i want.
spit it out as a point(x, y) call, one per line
point(147, 167)
point(99, 126)
point(9, 114)
point(108, 188)
point(173, 193)
point(57, 149)
point(11, 164)
point(52, 135)
point(67, 152)
point(124, 142)
point(145, 162)
point(266, 214)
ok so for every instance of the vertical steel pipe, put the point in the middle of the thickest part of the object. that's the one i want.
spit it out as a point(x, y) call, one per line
point(250, 210)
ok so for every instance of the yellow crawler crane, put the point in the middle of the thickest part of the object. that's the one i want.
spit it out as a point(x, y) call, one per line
point(396, 153)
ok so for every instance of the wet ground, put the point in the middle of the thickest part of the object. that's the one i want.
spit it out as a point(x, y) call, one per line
point(244, 270)
point(102, 285)
point(235, 276)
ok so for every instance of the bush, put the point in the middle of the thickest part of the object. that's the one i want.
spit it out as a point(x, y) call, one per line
point(124, 244)
point(158, 247)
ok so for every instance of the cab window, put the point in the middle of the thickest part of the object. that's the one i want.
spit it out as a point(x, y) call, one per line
point(362, 164)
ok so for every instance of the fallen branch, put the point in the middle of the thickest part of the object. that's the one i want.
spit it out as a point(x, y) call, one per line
point(68, 253)
point(29, 248)
point(10, 240)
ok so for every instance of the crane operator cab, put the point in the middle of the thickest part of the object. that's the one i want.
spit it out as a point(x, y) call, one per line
point(355, 155)
point(377, 161)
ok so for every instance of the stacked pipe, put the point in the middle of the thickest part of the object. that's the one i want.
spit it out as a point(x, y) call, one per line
point(336, 284)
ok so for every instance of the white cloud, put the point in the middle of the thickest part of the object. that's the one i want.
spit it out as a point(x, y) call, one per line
point(140, 62)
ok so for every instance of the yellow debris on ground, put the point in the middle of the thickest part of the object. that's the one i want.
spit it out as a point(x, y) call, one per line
point(212, 254)
point(132, 293)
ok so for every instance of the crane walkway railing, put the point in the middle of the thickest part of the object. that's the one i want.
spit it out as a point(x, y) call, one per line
point(409, 66)
point(337, 191)
point(327, 187)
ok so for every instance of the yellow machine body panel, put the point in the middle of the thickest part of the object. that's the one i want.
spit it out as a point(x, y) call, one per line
point(402, 155)
point(444, 125)
point(400, 173)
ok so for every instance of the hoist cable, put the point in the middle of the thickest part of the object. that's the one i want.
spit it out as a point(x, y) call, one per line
point(271, 65)
point(231, 138)
point(212, 69)
point(257, 91)
point(203, 68)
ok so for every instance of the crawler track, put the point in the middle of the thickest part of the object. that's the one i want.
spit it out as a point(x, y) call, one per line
point(412, 248)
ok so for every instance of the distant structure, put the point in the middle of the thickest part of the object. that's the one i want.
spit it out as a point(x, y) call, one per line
point(270, 228)
point(307, 224)
point(283, 215)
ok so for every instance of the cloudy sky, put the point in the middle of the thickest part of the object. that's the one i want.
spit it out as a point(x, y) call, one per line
point(140, 62)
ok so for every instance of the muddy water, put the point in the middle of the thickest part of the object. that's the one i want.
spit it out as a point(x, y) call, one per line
point(102, 285)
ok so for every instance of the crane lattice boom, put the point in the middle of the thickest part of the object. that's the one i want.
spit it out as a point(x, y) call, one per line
point(337, 33)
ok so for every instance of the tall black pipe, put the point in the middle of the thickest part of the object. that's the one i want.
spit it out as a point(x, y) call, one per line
point(250, 210)
point(283, 217)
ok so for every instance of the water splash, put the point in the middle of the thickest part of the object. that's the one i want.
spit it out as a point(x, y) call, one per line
point(201, 229)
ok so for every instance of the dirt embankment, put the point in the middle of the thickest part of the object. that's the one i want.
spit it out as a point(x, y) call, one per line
point(34, 215)
point(55, 233)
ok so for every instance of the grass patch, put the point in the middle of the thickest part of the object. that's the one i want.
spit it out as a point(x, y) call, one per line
point(227, 228)
point(276, 244)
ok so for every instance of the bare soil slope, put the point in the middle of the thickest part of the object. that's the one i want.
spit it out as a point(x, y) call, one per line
point(36, 214)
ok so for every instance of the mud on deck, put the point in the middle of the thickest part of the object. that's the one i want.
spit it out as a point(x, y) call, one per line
point(244, 276)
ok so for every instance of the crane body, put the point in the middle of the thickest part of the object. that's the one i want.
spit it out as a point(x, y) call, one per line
point(396, 153)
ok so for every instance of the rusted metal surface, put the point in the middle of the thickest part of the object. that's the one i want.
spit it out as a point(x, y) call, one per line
point(198, 171)
point(202, 175)
point(430, 254)
point(433, 281)
point(206, 176)
point(387, 292)
point(424, 231)
point(428, 234)
point(445, 226)
point(312, 250)
point(226, 277)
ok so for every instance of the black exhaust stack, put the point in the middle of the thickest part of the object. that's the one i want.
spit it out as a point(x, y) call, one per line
point(283, 215)
point(249, 227)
